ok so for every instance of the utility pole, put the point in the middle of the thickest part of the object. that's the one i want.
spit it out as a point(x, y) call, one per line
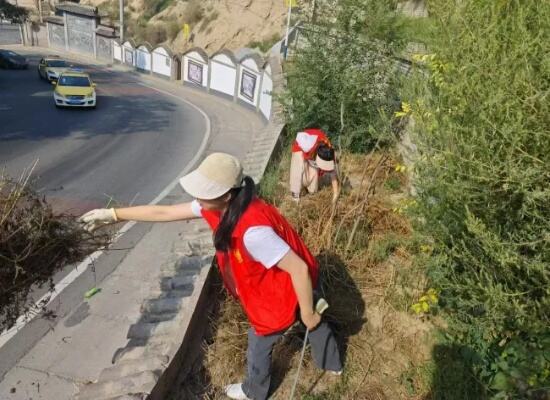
point(121, 12)
point(40, 10)
point(287, 28)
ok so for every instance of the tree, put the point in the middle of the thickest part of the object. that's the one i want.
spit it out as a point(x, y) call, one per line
point(12, 12)
point(341, 78)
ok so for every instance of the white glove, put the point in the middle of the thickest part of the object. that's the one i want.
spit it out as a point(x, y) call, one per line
point(100, 216)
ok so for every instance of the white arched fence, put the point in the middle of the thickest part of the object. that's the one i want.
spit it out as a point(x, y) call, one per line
point(128, 53)
point(143, 57)
point(250, 76)
point(195, 67)
point(244, 76)
point(266, 90)
point(223, 72)
point(162, 62)
point(117, 51)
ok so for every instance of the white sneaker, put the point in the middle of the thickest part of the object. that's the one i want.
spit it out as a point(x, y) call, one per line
point(235, 391)
point(337, 373)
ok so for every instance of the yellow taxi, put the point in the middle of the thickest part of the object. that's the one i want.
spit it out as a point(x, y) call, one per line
point(74, 89)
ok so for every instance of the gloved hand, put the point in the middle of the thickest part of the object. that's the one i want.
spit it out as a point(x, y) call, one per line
point(95, 218)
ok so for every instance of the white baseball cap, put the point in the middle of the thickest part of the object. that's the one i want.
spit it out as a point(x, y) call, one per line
point(216, 175)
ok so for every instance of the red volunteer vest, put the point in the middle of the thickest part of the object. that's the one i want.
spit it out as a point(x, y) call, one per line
point(321, 138)
point(266, 294)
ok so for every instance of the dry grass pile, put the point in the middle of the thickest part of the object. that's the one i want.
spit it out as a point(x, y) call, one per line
point(364, 246)
point(34, 244)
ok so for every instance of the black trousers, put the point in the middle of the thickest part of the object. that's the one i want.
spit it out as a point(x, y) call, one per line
point(323, 347)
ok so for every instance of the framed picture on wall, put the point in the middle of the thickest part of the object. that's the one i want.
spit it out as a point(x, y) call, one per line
point(194, 72)
point(248, 85)
point(129, 57)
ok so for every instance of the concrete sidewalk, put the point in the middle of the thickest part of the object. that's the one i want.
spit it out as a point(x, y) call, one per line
point(139, 319)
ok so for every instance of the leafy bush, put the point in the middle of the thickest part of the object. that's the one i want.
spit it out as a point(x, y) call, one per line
point(341, 76)
point(265, 44)
point(193, 12)
point(172, 29)
point(482, 122)
point(153, 7)
point(12, 12)
point(156, 33)
point(111, 9)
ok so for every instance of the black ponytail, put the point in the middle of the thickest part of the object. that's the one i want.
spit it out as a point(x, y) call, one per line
point(240, 199)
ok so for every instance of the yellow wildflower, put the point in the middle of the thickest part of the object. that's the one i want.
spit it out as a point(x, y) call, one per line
point(417, 308)
point(425, 306)
point(425, 248)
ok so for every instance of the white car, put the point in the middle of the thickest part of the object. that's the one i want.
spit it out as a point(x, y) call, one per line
point(50, 67)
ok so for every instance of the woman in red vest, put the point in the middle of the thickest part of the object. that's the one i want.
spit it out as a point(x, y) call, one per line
point(263, 262)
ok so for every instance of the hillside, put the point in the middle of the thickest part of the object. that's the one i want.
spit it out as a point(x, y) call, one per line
point(214, 24)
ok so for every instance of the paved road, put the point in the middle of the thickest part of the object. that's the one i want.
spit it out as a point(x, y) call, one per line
point(128, 149)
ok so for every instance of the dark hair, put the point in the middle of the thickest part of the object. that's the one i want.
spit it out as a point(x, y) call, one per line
point(325, 152)
point(240, 199)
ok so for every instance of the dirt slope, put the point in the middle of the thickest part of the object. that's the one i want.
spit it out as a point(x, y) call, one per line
point(232, 24)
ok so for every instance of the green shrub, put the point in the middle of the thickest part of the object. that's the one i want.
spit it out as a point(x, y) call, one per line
point(172, 29)
point(193, 12)
point(265, 44)
point(12, 12)
point(153, 7)
point(383, 247)
point(341, 77)
point(482, 123)
point(393, 184)
point(108, 8)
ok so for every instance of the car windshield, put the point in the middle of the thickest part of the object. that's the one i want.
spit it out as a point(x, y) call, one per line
point(57, 63)
point(80, 81)
point(10, 53)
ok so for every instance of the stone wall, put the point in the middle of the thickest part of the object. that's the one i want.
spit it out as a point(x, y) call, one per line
point(80, 33)
point(10, 33)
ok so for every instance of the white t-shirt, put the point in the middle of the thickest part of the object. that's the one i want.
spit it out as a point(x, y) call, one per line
point(263, 244)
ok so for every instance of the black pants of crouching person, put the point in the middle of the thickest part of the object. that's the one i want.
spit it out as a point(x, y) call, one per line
point(258, 379)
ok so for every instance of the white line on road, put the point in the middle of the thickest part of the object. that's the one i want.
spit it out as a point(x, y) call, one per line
point(80, 268)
